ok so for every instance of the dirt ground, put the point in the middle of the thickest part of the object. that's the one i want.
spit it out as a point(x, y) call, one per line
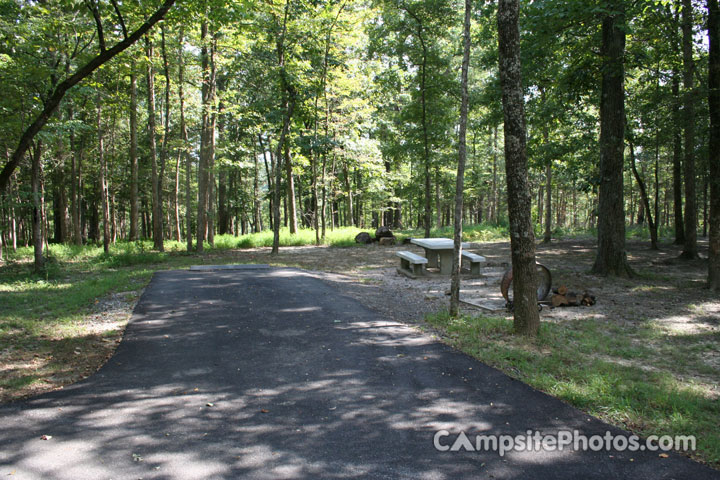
point(669, 292)
point(665, 289)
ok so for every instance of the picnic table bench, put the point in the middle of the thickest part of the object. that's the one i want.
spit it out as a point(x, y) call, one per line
point(475, 261)
point(412, 262)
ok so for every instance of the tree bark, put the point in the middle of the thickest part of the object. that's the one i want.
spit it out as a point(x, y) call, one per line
point(37, 203)
point(652, 226)
point(157, 220)
point(205, 132)
point(714, 151)
point(547, 237)
point(677, 163)
point(522, 238)
point(287, 105)
point(462, 156)
point(611, 258)
point(185, 143)
point(134, 203)
point(690, 250)
point(103, 178)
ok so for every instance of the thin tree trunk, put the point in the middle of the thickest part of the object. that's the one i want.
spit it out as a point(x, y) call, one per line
point(185, 143)
point(37, 202)
point(495, 196)
point(462, 155)
point(288, 105)
point(211, 137)
point(714, 150)
point(157, 220)
point(74, 190)
point(611, 257)
point(103, 178)
point(166, 126)
point(522, 238)
point(134, 204)
point(690, 250)
point(204, 137)
point(652, 226)
point(426, 141)
point(677, 164)
point(548, 203)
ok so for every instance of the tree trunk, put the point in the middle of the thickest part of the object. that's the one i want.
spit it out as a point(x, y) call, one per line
point(157, 220)
point(611, 257)
point(690, 250)
point(185, 143)
point(134, 205)
point(677, 164)
point(714, 150)
point(211, 137)
point(205, 147)
point(495, 195)
point(257, 218)
point(426, 141)
point(288, 105)
point(548, 203)
point(652, 225)
point(292, 207)
point(462, 155)
point(103, 178)
point(522, 238)
point(166, 128)
point(37, 203)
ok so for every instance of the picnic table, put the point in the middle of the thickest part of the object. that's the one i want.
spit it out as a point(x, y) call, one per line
point(439, 252)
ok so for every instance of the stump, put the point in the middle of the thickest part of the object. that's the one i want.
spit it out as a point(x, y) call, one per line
point(387, 241)
point(363, 238)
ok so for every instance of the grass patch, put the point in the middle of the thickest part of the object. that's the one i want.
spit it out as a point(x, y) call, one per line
point(484, 232)
point(599, 368)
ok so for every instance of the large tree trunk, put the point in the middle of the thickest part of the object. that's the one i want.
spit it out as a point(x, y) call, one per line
point(462, 155)
point(134, 203)
point(37, 204)
point(157, 220)
point(522, 238)
point(714, 158)
point(611, 257)
point(690, 249)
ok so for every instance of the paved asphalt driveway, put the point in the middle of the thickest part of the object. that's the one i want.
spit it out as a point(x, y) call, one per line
point(272, 374)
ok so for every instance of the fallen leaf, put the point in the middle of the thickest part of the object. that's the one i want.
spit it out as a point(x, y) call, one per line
point(264, 410)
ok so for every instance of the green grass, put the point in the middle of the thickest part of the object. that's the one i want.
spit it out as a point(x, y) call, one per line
point(603, 369)
point(485, 232)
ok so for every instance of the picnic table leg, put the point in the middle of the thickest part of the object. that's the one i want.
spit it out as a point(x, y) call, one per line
point(432, 257)
point(446, 260)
